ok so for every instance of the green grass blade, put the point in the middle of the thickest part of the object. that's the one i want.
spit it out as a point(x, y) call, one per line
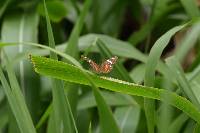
point(156, 52)
point(188, 42)
point(3, 7)
point(44, 116)
point(67, 72)
point(17, 102)
point(68, 57)
point(159, 11)
point(60, 106)
point(191, 8)
point(175, 67)
point(22, 26)
point(88, 101)
point(151, 64)
point(177, 124)
point(73, 50)
point(50, 33)
point(107, 121)
point(72, 47)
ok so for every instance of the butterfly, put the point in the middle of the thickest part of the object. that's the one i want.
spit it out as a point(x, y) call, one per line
point(105, 67)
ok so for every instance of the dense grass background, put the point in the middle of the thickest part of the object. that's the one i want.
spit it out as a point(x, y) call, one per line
point(154, 86)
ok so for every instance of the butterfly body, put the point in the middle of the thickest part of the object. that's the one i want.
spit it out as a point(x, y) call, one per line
point(105, 67)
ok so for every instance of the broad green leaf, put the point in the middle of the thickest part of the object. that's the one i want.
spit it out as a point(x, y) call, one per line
point(69, 72)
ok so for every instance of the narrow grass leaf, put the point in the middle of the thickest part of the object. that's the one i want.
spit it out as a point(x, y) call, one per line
point(60, 106)
point(188, 42)
point(73, 50)
point(151, 65)
point(175, 67)
point(159, 11)
point(17, 103)
point(72, 47)
point(191, 8)
point(67, 72)
point(178, 123)
point(3, 7)
point(44, 116)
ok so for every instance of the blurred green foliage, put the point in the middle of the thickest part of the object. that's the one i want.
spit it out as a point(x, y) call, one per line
point(156, 41)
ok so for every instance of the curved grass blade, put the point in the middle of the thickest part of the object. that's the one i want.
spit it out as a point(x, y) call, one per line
point(151, 64)
point(17, 101)
point(188, 42)
point(175, 67)
point(191, 8)
point(74, 74)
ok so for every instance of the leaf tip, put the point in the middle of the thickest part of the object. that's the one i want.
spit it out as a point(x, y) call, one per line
point(33, 62)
